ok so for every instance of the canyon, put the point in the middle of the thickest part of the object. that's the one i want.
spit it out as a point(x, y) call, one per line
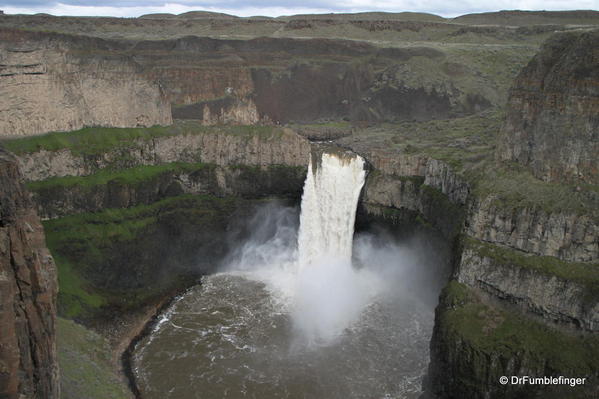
point(164, 134)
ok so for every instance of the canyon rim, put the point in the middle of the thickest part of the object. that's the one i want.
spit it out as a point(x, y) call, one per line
point(406, 201)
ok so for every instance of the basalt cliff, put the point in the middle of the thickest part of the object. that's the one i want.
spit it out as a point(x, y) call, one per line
point(49, 85)
point(169, 131)
point(523, 297)
point(28, 288)
point(551, 125)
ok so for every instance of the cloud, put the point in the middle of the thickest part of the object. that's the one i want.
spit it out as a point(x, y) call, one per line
point(134, 8)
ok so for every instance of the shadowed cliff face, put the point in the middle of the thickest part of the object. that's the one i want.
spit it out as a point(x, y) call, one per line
point(28, 295)
point(281, 80)
point(552, 124)
point(160, 216)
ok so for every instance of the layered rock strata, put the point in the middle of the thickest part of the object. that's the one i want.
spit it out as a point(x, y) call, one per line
point(108, 82)
point(526, 300)
point(66, 196)
point(552, 125)
point(569, 236)
point(282, 147)
point(47, 84)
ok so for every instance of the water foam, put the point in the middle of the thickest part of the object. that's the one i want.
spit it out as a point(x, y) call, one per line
point(314, 280)
point(329, 203)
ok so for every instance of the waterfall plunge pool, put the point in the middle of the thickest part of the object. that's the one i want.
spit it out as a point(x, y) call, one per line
point(302, 309)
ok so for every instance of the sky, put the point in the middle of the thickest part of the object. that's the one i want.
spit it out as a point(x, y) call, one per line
point(273, 8)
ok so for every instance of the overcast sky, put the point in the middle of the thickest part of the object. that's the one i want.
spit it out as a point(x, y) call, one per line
point(134, 8)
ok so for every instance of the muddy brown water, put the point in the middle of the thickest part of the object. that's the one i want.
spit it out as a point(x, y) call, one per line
point(231, 338)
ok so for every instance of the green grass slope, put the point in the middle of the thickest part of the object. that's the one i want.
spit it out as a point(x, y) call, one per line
point(86, 371)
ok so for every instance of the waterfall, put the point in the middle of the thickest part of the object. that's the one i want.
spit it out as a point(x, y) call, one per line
point(315, 281)
point(329, 294)
point(328, 209)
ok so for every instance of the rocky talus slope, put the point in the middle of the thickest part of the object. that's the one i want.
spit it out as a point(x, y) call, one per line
point(28, 287)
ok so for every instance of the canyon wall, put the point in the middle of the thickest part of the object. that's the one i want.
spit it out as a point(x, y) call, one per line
point(278, 80)
point(524, 299)
point(144, 213)
point(524, 288)
point(417, 184)
point(28, 287)
point(123, 83)
point(566, 235)
point(49, 84)
point(222, 147)
point(475, 343)
point(63, 197)
point(552, 124)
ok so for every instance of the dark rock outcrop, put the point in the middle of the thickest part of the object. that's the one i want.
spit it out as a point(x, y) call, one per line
point(552, 123)
point(28, 288)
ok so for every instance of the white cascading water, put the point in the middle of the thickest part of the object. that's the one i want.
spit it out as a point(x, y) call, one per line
point(329, 294)
point(290, 316)
point(316, 283)
point(328, 212)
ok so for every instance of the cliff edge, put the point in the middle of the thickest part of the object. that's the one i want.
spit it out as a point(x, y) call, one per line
point(48, 83)
point(552, 125)
point(28, 288)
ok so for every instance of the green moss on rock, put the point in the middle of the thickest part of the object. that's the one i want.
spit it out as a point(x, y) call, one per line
point(123, 257)
point(131, 176)
point(97, 140)
point(85, 365)
point(512, 186)
point(447, 215)
point(586, 274)
point(475, 343)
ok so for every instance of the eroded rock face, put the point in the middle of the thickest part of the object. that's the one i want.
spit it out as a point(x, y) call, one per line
point(565, 235)
point(436, 174)
point(555, 299)
point(50, 84)
point(283, 148)
point(552, 129)
point(263, 80)
point(28, 287)
point(239, 180)
point(552, 123)
point(471, 351)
